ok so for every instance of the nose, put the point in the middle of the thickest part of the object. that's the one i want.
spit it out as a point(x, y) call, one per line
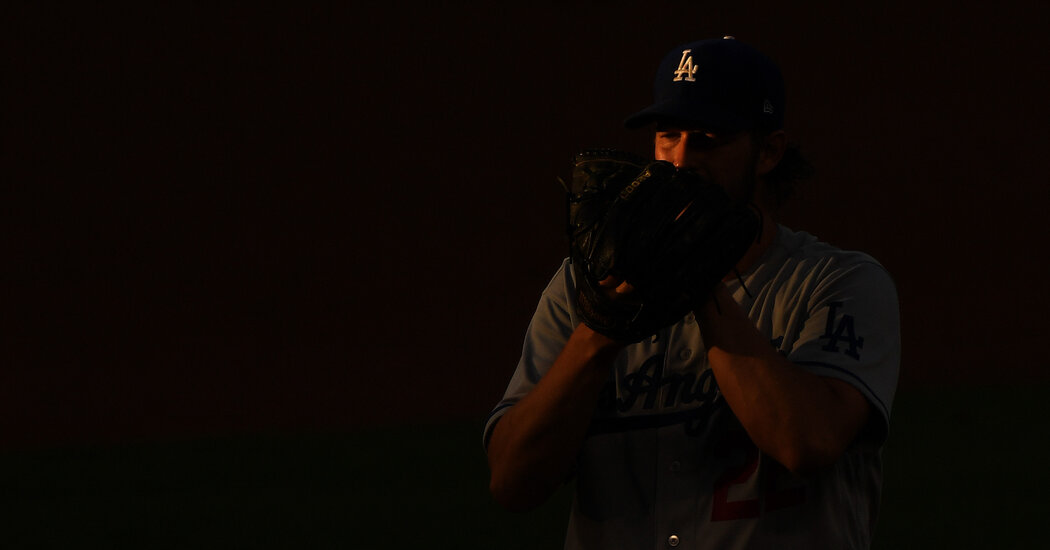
point(678, 154)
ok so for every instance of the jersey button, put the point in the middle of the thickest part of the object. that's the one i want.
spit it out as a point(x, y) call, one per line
point(686, 353)
point(676, 466)
point(672, 540)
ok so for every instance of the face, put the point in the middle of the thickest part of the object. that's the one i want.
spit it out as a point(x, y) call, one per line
point(728, 159)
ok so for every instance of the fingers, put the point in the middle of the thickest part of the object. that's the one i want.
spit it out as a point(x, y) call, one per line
point(618, 286)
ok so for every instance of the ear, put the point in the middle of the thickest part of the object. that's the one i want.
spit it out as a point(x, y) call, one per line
point(771, 150)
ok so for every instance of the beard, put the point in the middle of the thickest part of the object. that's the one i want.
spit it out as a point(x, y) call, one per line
point(743, 190)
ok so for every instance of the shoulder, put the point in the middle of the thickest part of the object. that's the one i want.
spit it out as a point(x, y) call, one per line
point(802, 261)
point(556, 316)
point(560, 291)
point(563, 278)
point(803, 248)
point(837, 314)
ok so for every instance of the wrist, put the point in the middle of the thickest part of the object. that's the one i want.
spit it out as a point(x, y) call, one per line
point(598, 343)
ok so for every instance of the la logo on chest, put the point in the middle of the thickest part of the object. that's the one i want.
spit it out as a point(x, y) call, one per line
point(686, 70)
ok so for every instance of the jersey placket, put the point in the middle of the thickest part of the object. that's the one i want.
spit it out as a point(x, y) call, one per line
point(675, 506)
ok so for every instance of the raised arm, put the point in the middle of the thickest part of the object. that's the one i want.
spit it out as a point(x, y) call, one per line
point(802, 420)
point(534, 445)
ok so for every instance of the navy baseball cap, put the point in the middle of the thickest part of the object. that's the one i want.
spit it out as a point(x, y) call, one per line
point(720, 84)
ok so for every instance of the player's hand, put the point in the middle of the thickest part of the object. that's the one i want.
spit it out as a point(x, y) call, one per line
point(617, 289)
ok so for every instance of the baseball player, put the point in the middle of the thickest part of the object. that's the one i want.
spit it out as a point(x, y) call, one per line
point(753, 420)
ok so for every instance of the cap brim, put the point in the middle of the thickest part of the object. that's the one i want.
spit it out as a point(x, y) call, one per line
point(686, 113)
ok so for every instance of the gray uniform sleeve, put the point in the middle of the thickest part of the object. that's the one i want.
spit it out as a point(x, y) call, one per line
point(552, 324)
point(852, 333)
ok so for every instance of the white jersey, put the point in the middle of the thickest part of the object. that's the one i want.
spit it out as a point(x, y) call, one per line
point(666, 464)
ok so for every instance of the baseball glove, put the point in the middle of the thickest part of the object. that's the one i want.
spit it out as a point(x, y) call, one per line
point(669, 233)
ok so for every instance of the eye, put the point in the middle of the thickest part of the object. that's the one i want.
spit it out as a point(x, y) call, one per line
point(668, 139)
point(704, 141)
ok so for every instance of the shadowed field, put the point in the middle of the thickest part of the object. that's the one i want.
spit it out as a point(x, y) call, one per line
point(965, 468)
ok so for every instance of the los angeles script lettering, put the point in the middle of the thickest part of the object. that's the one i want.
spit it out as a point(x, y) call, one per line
point(645, 385)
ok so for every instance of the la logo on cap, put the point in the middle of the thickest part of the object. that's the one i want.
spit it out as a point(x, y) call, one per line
point(686, 69)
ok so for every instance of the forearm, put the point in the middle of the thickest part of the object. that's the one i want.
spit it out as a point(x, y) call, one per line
point(802, 420)
point(534, 444)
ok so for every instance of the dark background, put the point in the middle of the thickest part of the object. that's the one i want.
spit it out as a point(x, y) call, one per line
point(246, 219)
